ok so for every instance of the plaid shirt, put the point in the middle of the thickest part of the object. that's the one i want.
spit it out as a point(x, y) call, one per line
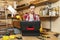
point(35, 16)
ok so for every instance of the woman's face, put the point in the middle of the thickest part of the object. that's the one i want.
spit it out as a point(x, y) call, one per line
point(32, 8)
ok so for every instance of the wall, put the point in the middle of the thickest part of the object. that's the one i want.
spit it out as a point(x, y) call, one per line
point(46, 24)
point(3, 3)
point(56, 23)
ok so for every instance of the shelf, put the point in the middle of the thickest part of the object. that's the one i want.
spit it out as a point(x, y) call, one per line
point(3, 17)
point(2, 11)
point(39, 3)
point(2, 25)
point(43, 18)
point(22, 8)
point(48, 16)
point(11, 18)
point(26, 7)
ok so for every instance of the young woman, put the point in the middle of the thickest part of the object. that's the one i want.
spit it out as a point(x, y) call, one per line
point(31, 15)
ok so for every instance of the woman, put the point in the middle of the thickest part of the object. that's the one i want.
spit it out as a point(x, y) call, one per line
point(31, 16)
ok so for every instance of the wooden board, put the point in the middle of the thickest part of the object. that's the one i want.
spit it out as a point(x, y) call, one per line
point(30, 38)
point(36, 38)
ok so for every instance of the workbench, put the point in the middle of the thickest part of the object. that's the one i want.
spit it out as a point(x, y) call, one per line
point(51, 37)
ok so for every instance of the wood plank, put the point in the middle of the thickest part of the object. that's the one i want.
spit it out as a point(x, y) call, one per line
point(52, 37)
point(30, 38)
point(48, 16)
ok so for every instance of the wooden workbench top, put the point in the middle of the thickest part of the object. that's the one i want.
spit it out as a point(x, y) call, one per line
point(51, 37)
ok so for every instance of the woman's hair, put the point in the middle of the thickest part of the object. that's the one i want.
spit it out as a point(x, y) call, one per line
point(31, 5)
